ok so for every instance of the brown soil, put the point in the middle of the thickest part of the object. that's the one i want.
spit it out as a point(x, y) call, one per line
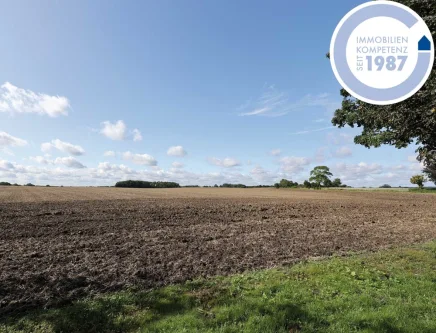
point(52, 252)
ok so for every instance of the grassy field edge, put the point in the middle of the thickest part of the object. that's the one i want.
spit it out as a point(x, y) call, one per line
point(388, 291)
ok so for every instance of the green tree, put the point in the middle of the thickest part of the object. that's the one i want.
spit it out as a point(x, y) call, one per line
point(307, 184)
point(320, 175)
point(287, 183)
point(418, 180)
point(411, 121)
point(233, 185)
point(328, 183)
point(336, 182)
point(145, 184)
point(430, 171)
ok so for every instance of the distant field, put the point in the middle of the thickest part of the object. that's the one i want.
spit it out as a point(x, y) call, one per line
point(36, 194)
point(61, 244)
point(398, 189)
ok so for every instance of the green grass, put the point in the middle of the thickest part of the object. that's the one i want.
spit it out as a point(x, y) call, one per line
point(389, 291)
point(424, 190)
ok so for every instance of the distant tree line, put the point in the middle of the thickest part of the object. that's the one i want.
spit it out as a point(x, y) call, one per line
point(243, 186)
point(9, 184)
point(233, 185)
point(146, 184)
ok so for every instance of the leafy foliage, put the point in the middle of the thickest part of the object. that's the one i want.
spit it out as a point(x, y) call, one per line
point(233, 185)
point(418, 180)
point(145, 184)
point(284, 183)
point(385, 186)
point(5, 184)
point(337, 183)
point(307, 184)
point(430, 171)
point(320, 175)
point(413, 120)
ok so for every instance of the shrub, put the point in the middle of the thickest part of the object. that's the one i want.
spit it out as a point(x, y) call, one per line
point(5, 184)
point(385, 186)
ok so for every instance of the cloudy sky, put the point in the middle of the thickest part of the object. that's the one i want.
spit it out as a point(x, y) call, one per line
point(93, 92)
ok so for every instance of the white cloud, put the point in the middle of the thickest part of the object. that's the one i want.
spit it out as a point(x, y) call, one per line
point(116, 131)
point(293, 165)
point(176, 151)
point(40, 159)
point(361, 172)
point(177, 165)
point(398, 167)
point(312, 130)
point(66, 172)
point(275, 152)
point(46, 147)
point(7, 151)
point(62, 146)
point(274, 103)
point(17, 100)
point(225, 163)
point(9, 140)
point(109, 153)
point(263, 176)
point(415, 165)
point(343, 152)
point(335, 138)
point(70, 162)
point(105, 167)
point(320, 155)
point(412, 158)
point(5, 165)
point(137, 136)
point(374, 174)
point(140, 159)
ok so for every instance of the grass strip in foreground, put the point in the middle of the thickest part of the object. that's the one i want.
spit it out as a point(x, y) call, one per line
point(388, 291)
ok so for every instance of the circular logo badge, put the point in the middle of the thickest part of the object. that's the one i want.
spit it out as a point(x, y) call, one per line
point(382, 52)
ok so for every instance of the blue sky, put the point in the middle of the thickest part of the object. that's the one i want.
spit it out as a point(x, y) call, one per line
point(241, 90)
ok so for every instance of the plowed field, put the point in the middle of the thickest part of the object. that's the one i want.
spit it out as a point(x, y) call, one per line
point(59, 244)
